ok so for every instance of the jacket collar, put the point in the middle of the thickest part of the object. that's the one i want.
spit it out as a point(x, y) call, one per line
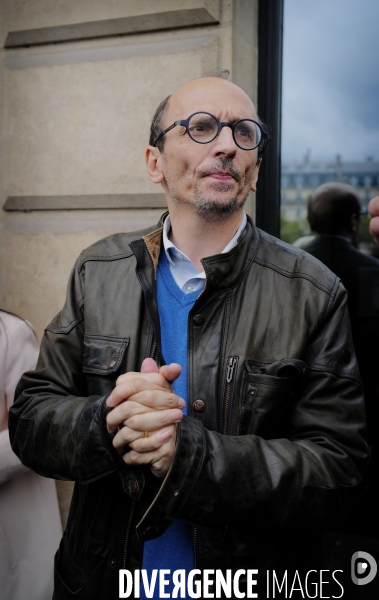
point(223, 271)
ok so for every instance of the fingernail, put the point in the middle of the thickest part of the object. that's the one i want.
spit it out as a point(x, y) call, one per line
point(177, 416)
point(181, 403)
point(165, 435)
point(109, 401)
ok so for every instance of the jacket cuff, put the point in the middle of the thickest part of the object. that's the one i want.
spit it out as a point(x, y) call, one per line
point(132, 478)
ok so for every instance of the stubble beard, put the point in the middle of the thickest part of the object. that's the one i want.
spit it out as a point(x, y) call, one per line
point(207, 207)
point(212, 210)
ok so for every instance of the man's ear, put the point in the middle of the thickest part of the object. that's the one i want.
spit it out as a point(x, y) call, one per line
point(253, 185)
point(153, 163)
point(354, 223)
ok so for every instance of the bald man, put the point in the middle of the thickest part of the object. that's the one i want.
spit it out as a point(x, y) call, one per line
point(334, 211)
point(199, 385)
point(334, 214)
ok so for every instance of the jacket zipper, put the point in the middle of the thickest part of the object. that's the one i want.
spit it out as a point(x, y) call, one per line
point(127, 533)
point(153, 350)
point(148, 308)
point(232, 361)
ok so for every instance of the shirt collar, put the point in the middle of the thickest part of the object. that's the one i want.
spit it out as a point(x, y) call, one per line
point(172, 252)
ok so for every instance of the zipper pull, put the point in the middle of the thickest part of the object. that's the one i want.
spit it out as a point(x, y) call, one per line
point(231, 365)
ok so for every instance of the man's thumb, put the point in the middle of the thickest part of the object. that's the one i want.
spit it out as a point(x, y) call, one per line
point(149, 366)
point(171, 372)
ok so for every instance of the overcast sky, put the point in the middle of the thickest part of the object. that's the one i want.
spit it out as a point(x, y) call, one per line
point(331, 79)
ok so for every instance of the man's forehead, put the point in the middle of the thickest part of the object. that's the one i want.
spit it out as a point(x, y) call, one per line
point(211, 94)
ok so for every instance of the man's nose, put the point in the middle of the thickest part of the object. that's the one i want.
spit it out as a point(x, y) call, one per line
point(224, 142)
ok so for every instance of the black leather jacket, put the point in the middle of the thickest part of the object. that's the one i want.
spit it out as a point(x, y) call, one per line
point(274, 440)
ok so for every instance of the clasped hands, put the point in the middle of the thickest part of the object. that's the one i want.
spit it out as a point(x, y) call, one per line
point(145, 414)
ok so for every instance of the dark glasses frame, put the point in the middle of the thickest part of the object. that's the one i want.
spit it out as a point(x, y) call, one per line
point(265, 137)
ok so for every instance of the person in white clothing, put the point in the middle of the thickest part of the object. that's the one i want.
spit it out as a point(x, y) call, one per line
point(30, 527)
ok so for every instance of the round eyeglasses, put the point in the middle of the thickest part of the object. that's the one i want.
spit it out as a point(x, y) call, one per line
point(203, 128)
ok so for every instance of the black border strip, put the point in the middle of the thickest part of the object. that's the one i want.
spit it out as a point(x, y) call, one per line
point(270, 52)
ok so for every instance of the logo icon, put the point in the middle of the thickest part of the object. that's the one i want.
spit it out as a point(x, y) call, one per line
point(363, 568)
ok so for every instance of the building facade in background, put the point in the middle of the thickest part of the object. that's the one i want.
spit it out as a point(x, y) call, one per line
point(300, 178)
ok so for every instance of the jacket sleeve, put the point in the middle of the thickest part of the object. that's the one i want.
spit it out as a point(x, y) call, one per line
point(55, 427)
point(20, 354)
point(313, 476)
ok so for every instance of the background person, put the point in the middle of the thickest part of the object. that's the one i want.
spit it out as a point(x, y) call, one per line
point(30, 527)
point(334, 215)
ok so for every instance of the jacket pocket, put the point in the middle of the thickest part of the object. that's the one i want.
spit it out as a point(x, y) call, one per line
point(103, 355)
point(269, 392)
point(68, 579)
point(103, 360)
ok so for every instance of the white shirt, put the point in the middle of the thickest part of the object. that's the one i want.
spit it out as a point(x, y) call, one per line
point(186, 275)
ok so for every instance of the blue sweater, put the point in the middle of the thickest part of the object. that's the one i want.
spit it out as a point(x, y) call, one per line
point(174, 549)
